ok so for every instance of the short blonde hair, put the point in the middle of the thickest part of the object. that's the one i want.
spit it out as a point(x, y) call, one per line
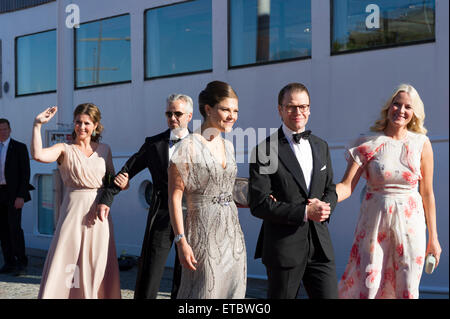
point(416, 123)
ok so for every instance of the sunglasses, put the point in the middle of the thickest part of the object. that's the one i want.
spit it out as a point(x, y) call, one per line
point(177, 114)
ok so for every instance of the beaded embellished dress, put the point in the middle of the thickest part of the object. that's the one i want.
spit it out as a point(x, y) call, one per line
point(388, 251)
point(211, 222)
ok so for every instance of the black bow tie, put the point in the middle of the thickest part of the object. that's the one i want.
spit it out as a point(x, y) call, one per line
point(298, 136)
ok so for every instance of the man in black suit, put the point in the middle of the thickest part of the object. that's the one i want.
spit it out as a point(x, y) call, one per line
point(14, 192)
point(291, 189)
point(158, 237)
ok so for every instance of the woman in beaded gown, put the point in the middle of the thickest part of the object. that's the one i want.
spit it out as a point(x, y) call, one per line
point(209, 240)
point(81, 262)
point(389, 247)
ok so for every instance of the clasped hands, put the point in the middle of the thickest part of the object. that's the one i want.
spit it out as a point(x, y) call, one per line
point(122, 181)
point(316, 209)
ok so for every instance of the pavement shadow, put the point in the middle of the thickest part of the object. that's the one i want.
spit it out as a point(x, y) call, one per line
point(24, 279)
point(32, 276)
point(256, 288)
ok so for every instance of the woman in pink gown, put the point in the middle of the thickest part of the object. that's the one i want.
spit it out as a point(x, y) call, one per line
point(81, 262)
point(389, 247)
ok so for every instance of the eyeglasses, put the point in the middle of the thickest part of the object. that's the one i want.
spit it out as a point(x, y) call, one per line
point(293, 108)
point(177, 114)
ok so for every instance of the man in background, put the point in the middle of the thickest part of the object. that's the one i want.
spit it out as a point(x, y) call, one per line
point(14, 192)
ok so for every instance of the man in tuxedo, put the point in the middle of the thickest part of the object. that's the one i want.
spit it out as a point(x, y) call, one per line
point(294, 198)
point(14, 192)
point(158, 237)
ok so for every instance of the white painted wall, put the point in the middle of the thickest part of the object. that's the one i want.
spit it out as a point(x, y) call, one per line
point(347, 92)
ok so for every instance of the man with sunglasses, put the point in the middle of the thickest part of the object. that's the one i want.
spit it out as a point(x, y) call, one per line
point(158, 237)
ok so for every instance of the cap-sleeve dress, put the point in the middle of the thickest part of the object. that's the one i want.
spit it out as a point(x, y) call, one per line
point(81, 261)
point(212, 225)
point(388, 251)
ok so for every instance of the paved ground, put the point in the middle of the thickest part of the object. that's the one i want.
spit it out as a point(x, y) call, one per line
point(27, 286)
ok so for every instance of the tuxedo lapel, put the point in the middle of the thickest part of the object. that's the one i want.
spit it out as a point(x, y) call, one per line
point(317, 156)
point(162, 149)
point(288, 158)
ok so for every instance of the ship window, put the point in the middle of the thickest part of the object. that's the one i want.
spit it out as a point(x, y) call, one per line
point(36, 63)
point(364, 24)
point(178, 39)
point(103, 52)
point(265, 31)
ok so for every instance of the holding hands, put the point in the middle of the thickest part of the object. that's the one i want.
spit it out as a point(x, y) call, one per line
point(122, 181)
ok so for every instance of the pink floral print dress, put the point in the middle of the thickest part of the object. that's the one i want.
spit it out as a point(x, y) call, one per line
point(388, 250)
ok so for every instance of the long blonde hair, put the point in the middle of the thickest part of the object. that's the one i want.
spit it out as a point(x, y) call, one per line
point(416, 123)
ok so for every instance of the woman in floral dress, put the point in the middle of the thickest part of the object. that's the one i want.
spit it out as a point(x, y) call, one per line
point(389, 247)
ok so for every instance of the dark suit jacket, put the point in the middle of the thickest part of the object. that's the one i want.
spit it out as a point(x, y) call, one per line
point(283, 237)
point(17, 171)
point(154, 155)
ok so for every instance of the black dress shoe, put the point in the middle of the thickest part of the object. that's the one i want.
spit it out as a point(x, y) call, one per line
point(7, 269)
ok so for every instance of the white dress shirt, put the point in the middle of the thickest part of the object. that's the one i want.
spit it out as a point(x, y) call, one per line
point(303, 153)
point(3, 160)
point(180, 134)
